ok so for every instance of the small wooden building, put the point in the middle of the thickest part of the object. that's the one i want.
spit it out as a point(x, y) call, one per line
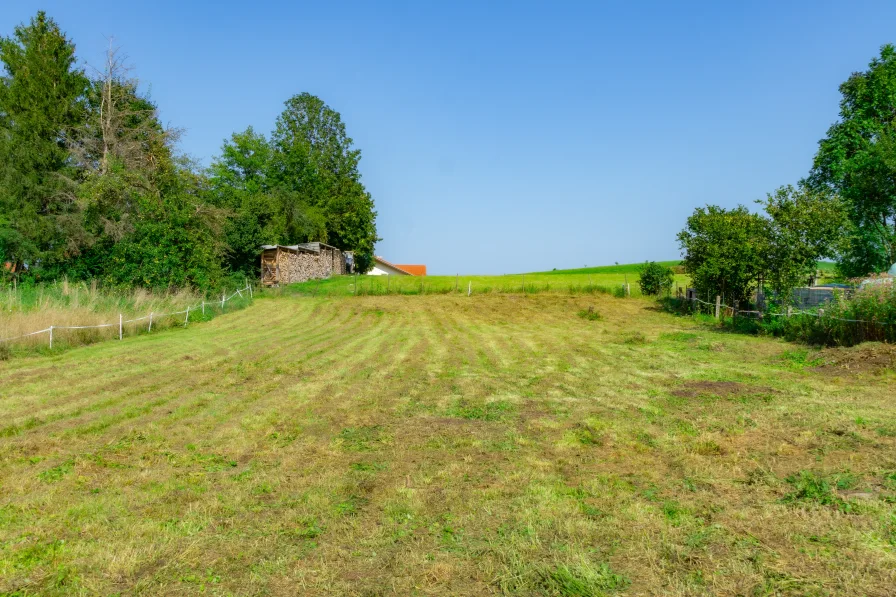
point(287, 264)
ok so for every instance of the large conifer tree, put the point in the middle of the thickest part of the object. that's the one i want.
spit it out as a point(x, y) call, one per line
point(41, 107)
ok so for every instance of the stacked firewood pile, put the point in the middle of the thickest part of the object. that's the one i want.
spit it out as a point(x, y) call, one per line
point(300, 267)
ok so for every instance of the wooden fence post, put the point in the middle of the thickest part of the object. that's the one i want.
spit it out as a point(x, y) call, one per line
point(789, 312)
point(203, 307)
point(51, 336)
point(187, 316)
point(718, 306)
point(150, 322)
point(120, 326)
point(223, 294)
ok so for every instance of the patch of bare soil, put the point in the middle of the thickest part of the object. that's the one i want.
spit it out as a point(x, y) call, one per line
point(723, 389)
point(870, 357)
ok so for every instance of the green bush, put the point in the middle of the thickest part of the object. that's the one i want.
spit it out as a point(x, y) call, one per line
point(654, 278)
point(868, 315)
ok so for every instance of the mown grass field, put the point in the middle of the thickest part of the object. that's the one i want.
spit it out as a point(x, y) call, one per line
point(447, 445)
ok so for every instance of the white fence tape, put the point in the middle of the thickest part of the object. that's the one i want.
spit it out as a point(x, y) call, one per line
point(25, 335)
point(153, 315)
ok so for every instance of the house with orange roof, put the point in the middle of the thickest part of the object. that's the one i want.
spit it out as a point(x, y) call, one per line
point(381, 267)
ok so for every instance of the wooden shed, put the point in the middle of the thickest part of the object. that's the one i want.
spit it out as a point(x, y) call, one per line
point(287, 264)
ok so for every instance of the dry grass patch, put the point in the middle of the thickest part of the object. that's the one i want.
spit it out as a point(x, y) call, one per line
point(872, 357)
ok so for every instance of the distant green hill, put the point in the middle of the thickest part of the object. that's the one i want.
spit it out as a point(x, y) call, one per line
point(828, 267)
point(625, 268)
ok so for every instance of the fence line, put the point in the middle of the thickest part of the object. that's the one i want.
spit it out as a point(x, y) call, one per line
point(120, 323)
point(819, 315)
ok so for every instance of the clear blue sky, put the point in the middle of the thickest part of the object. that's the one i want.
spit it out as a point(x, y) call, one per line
point(508, 137)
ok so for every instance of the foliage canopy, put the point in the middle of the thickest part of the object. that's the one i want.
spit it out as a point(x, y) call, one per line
point(92, 185)
point(857, 160)
point(655, 278)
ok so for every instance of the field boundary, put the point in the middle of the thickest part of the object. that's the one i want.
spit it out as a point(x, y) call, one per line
point(790, 313)
point(152, 315)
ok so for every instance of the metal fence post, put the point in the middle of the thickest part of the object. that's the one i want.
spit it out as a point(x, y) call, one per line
point(150, 322)
point(187, 316)
point(120, 326)
point(51, 336)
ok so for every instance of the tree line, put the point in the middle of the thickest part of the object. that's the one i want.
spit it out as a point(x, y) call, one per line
point(92, 184)
point(844, 209)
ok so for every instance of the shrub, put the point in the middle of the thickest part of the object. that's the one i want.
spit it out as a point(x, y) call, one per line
point(654, 278)
point(869, 315)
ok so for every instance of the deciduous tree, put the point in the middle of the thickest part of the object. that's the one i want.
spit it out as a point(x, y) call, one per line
point(315, 161)
point(723, 251)
point(857, 160)
point(804, 226)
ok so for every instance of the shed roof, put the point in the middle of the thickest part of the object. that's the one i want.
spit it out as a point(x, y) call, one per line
point(308, 247)
point(289, 248)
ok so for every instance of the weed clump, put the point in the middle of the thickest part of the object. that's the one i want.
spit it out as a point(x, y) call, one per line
point(361, 439)
point(587, 435)
point(490, 411)
point(4, 352)
point(809, 488)
point(589, 314)
point(56, 473)
point(635, 338)
point(579, 581)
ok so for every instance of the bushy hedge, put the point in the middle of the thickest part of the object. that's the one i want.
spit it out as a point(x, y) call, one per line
point(868, 315)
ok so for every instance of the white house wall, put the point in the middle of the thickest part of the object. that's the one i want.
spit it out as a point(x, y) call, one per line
point(381, 269)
